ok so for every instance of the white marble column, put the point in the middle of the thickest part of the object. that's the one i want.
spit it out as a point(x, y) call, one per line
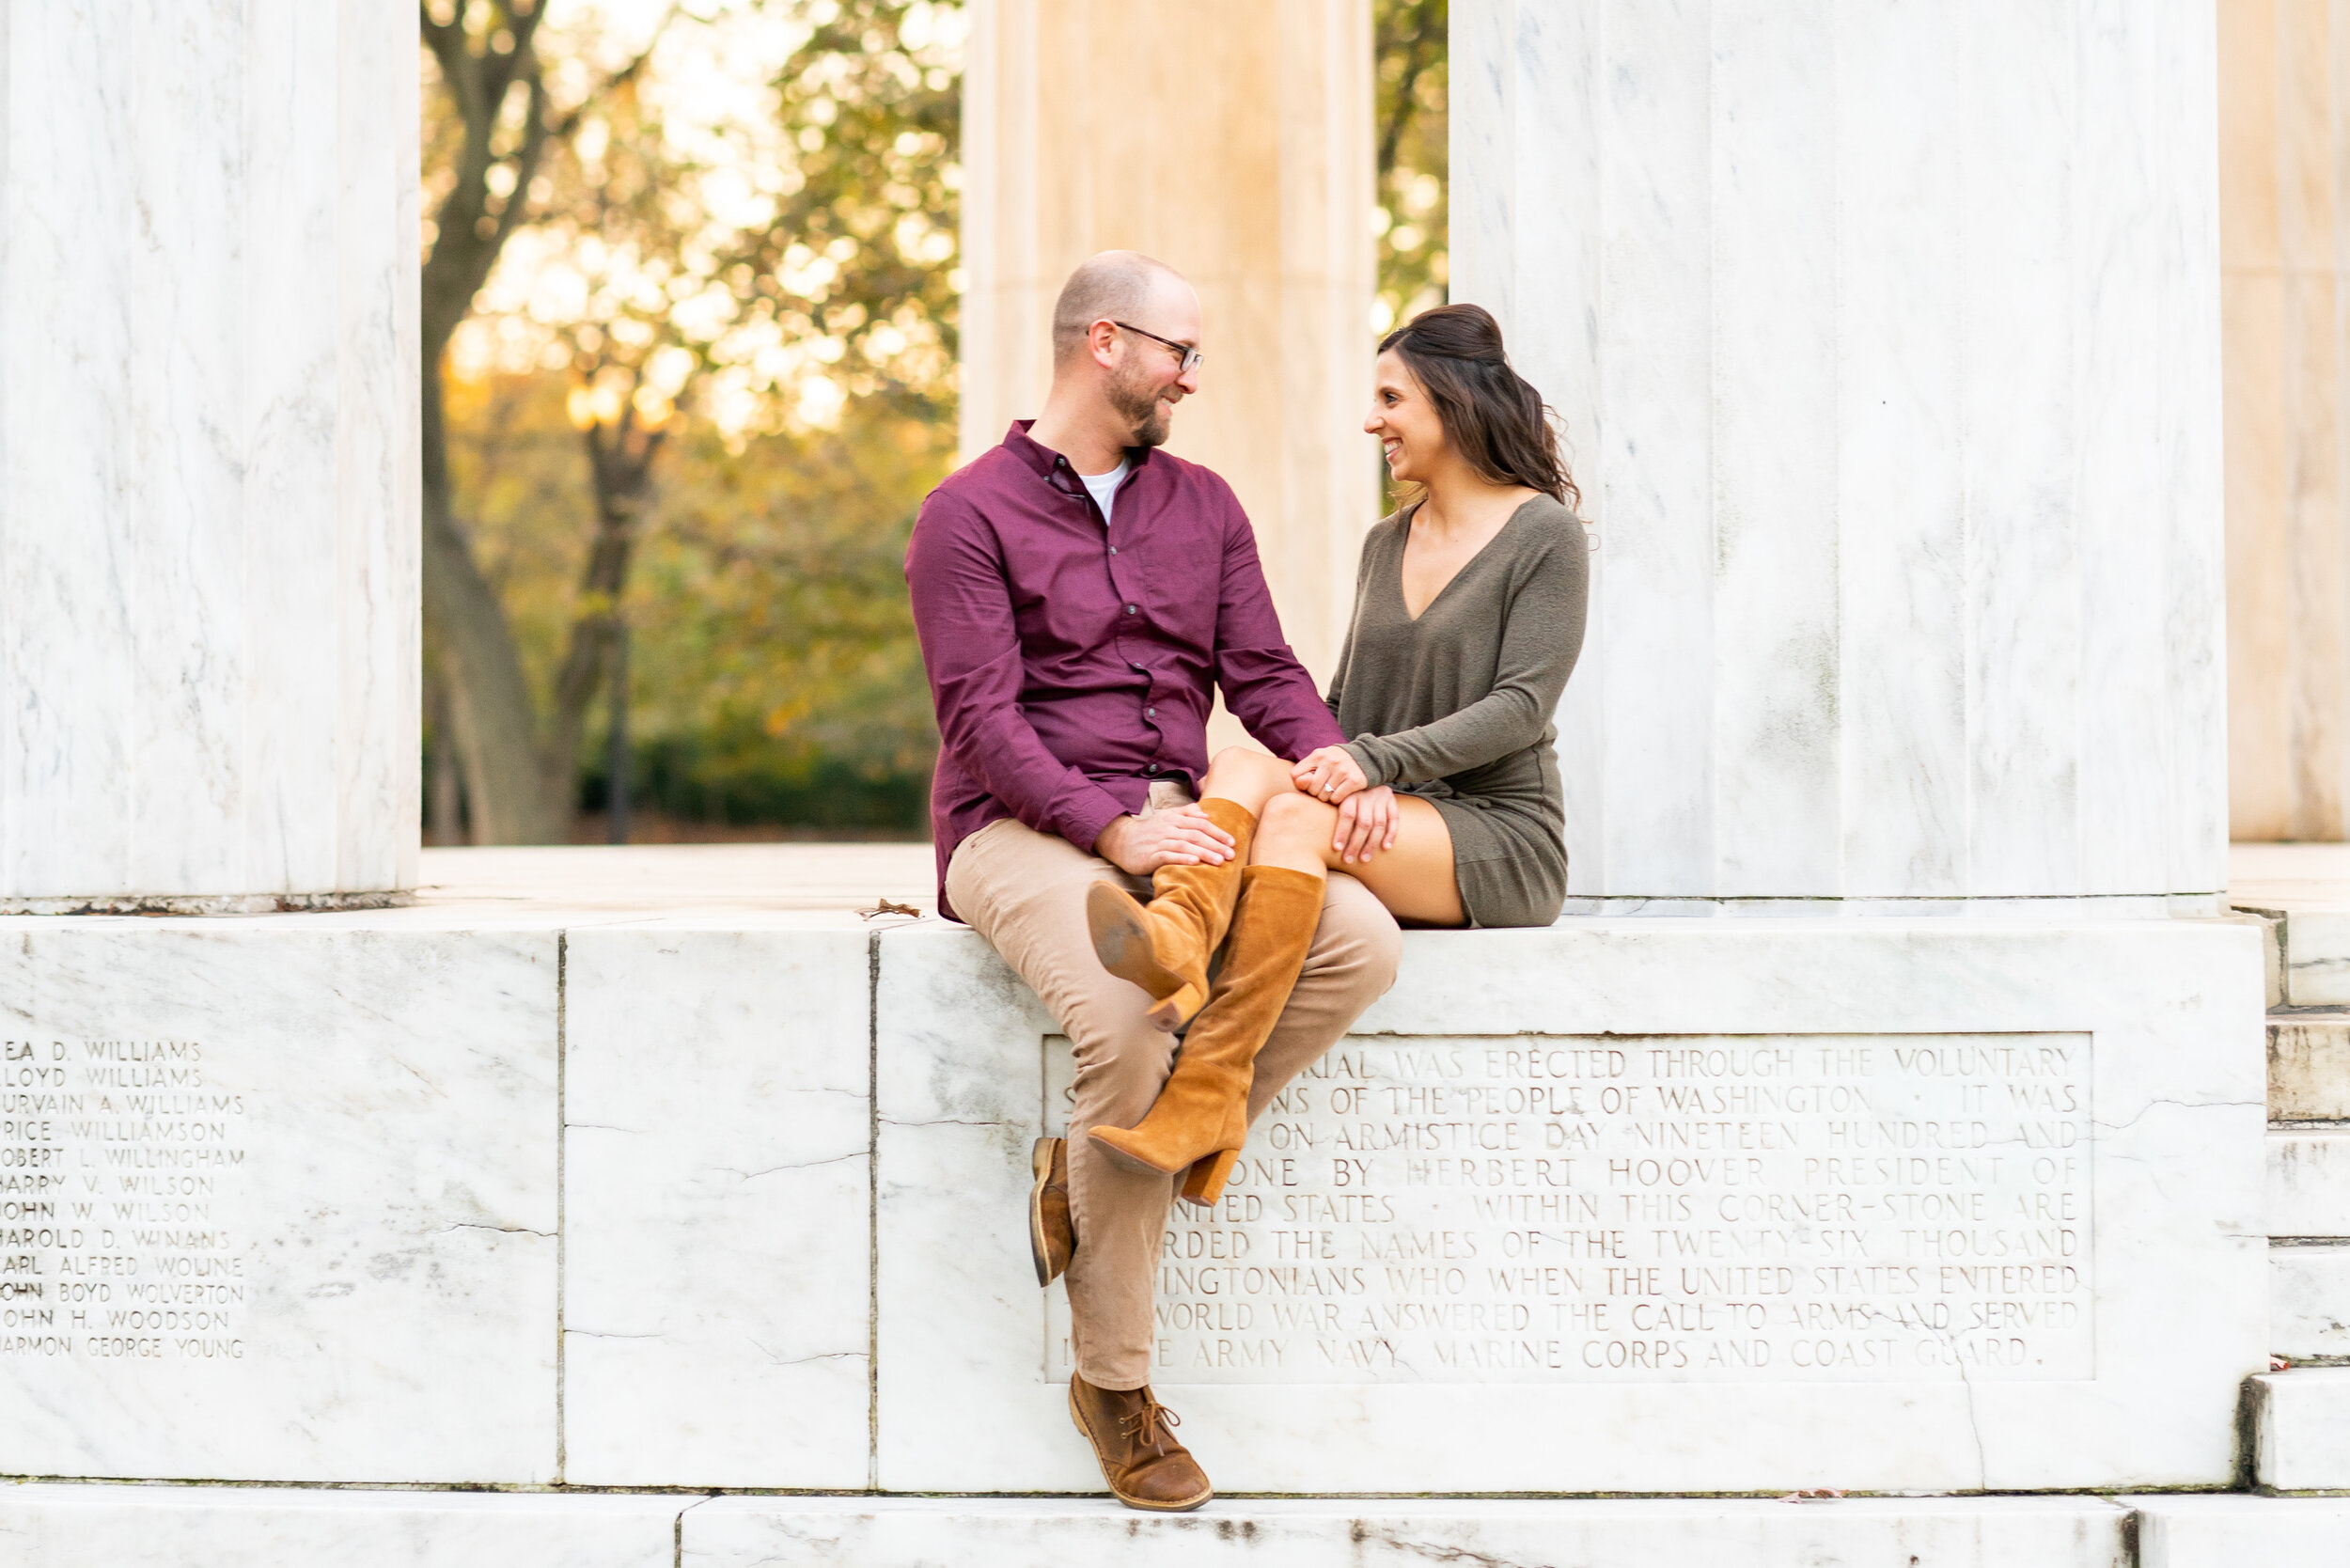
point(2285, 162)
point(1886, 339)
point(1230, 139)
point(209, 593)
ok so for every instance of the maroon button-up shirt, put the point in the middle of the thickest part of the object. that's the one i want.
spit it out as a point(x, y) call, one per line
point(1072, 664)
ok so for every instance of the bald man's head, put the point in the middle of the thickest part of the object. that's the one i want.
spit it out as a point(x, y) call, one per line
point(1115, 286)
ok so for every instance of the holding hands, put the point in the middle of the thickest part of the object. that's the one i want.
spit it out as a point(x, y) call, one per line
point(1366, 815)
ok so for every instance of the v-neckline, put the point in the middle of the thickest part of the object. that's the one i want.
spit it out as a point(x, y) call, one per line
point(1458, 572)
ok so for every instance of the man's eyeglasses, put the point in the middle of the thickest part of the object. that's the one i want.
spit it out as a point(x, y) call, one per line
point(1189, 356)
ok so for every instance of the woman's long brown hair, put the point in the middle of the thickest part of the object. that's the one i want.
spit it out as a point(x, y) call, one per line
point(1491, 413)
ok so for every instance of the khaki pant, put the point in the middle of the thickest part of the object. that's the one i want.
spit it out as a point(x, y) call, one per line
point(1024, 892)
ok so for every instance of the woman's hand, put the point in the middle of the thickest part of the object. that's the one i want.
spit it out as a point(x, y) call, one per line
point(1367, 824)
point(1329, 774)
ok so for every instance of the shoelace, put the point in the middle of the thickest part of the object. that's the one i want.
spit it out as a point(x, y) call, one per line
point(1151, 1425)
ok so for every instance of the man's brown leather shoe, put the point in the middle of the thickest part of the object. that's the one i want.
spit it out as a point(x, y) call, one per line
point(1140, 1458)
point(1052, 1238)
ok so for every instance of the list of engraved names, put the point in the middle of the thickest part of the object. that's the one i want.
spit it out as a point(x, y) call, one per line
point(115, 1158)
point(1680, 1208)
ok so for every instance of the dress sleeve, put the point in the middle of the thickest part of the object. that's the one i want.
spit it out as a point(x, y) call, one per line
point(963, 616)
point(1542, 633)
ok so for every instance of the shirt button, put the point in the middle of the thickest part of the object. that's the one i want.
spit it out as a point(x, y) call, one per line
point(1113, 549)
point(1130, 609)
point(1153, 768)
point(1150, 713)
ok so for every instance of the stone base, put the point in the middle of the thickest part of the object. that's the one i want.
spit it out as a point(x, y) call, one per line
point(2301, 1423)
point(2237, 1531)
point(732, 1199)
point(210, 1526)
point(258, 1527)
point(207, 903)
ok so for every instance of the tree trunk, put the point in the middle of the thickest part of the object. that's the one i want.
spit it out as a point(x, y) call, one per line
point(621, 459)
point(489, 701)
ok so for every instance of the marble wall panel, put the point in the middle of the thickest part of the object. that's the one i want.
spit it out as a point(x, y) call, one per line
point(2165, 1139)
point(738, 1533)
point(276, 1203)
point(717, 1272)
point(208, 470)
point(218, 1526)
point(1871, 315)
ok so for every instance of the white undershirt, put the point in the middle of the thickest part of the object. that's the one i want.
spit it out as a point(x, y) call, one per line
point(1105, 487)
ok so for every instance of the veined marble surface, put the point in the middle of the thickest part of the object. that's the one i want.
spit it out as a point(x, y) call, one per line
point(218, 1526)
point(759, 1173)
point(2301, 1428)
point(281, 1205)
point(1999, 1532)
point(1885, 337)
point(2170, 1159)
point(718, 1129)
point(209, 483)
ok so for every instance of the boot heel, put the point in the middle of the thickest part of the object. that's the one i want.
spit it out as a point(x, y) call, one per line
point(1203, 1184)
point(1173, 1011)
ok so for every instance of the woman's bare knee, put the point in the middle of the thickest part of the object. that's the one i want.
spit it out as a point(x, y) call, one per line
point(1294, 826)
point(1246, 774)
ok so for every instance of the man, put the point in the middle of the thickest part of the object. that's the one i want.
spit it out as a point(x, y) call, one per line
point(1079, 594)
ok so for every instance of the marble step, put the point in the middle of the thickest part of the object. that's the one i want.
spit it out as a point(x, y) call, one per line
point(2309, 1065)
point(132, 1526)
point(2309, 1300)
point(2308, 955)
point(2309, 1180)
point(2301, 1428)
point(2233, 1532)
point(53, 1526)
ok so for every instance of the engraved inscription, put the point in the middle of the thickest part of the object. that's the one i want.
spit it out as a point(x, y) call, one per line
point(115, 1158)
point(1671, 1208)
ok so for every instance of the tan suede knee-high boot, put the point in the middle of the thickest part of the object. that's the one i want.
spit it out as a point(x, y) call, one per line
point(1164, 947)
point(1200, 1117)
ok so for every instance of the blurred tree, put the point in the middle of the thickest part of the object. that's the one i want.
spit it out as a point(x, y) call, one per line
point(767, 274)
point(1409, 68)
point(483, 148)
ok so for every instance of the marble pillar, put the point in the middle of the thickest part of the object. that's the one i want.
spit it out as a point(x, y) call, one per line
point(2284, 258)
point(208, 592)
point(1887, 342)
point(1231, 139)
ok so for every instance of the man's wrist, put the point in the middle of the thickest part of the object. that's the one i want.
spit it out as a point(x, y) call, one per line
point(1105, 842)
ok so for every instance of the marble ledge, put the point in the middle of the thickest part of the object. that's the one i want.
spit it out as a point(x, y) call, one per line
point(53, 1526)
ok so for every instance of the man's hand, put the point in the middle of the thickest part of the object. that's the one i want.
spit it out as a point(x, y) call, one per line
point(1329, 774)
point(1179, 835)
point(1366, 824)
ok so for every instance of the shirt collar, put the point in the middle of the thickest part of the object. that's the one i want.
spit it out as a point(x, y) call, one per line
point(1047, 463)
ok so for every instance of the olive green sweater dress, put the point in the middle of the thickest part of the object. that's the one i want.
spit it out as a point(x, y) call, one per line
point(1456, 707)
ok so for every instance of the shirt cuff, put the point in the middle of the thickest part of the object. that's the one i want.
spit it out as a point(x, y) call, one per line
point(1366, 752)
point(1087, 815)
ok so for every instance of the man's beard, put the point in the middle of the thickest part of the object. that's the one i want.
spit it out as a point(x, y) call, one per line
point(1145, 413)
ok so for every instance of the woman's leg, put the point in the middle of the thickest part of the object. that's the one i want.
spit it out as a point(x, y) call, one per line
point(1165, 947)
point(1413, 879)
point(1246, 776)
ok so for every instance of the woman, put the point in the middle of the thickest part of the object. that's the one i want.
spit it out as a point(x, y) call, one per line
point(1469, 614)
